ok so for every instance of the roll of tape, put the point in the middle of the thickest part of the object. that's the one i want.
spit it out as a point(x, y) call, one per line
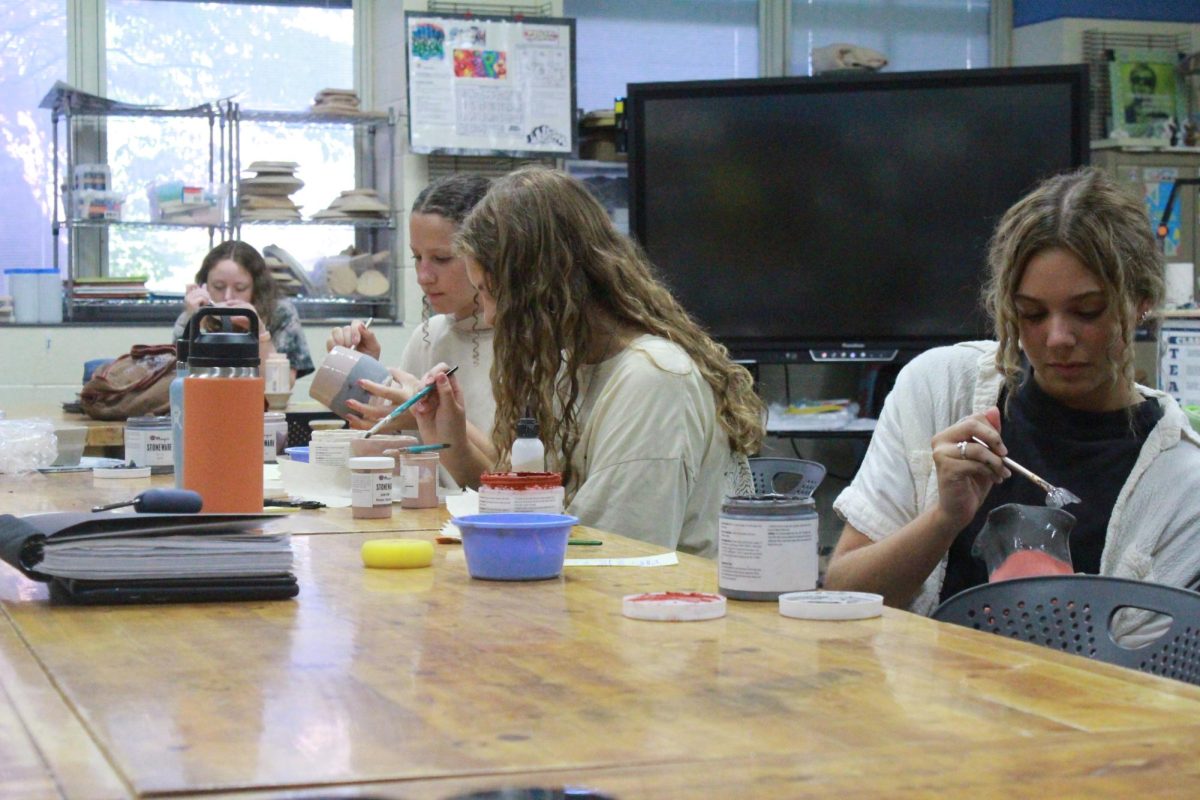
point(397, 553)
point(830, 605)
point(673, 606)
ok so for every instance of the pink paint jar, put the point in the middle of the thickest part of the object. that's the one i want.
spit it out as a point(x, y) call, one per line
point(371, 487)
point(521, 493)
point(418, 480)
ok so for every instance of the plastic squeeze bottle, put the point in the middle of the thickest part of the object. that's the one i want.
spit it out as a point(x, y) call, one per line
point(528, 452)
point(223, 416)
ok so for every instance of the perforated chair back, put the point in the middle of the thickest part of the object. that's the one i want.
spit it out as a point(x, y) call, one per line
point(1074, 613)
point(790, 476)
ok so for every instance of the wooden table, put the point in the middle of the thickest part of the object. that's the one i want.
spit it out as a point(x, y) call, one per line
point(426, 683)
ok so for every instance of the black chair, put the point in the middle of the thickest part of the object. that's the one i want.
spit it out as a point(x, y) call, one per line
point(789, 476)
point(1074, 613)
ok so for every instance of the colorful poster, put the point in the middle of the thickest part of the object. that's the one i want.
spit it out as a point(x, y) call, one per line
point(490, 85)
point(1145, 93)
point(1156, 184)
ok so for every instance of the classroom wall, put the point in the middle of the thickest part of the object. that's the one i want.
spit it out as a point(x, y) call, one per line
point(1060, 41)
point(42, 366)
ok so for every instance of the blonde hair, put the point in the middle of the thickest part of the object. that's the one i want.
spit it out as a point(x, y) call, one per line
point(551, 260)
point(1087, 214)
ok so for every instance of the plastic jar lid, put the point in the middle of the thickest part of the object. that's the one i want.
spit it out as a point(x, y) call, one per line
point(521, 480)
point(830, 605)
point(372, 462)
point(673, 606)
point(163, 422)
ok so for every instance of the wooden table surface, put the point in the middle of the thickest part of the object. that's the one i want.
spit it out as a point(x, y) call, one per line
point(426, 683)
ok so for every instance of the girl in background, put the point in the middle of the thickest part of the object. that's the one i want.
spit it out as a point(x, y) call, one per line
point(234, 274)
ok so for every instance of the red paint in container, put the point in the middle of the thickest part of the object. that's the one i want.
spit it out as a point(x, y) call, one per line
point(521, 493)
point(1029, 564)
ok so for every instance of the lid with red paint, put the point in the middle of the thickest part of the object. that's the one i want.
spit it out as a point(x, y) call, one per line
point(521, 480)
point(673, 606)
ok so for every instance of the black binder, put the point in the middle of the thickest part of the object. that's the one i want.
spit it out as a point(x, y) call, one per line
point(23, 541)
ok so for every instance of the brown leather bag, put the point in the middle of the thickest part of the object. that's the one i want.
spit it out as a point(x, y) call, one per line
point(134, 385)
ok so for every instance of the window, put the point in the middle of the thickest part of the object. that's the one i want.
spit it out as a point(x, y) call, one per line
point(265, 57)
point(913, 34)
point(32, 58)
point(619, 42)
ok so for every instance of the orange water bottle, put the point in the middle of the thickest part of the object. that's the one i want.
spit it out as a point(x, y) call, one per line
point(223, 414)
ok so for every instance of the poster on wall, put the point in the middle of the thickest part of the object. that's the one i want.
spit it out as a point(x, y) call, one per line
point(1179, 359)
point(490, 85)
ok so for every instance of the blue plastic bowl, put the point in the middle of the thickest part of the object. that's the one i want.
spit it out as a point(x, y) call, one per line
point(515, 547)
point(297, 453)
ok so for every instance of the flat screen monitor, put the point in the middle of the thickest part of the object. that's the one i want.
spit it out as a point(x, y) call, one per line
point(835, 218)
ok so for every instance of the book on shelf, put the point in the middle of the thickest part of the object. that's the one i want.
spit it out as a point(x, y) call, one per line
point(129, 557)
point(110, 288)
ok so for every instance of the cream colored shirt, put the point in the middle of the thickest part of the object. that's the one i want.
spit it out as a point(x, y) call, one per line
point(652, 460)
point(440, 339)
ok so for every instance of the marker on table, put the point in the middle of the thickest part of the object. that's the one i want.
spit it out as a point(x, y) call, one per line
point(406, 405)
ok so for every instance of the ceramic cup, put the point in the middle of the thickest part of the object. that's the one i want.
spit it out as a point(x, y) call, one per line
point(336, 381)
point(1022, 541)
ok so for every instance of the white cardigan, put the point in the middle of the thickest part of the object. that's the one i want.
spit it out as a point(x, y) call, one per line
point(1154, 531)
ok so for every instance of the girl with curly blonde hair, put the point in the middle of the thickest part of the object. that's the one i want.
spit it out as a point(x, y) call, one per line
point(646, 417)
point(1074, 268)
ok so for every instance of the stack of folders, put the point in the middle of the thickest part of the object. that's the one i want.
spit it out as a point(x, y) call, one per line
point(144, 558)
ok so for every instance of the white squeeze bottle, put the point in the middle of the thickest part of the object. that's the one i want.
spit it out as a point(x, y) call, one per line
point(528, 453)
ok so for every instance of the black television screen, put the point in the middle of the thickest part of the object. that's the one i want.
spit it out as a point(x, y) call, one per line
point(842, 215)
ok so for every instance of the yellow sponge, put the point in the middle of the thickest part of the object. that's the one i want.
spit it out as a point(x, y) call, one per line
point(397, 553)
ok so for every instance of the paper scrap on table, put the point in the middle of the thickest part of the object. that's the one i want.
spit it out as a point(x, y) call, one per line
point(660, 560)
point(459, 505)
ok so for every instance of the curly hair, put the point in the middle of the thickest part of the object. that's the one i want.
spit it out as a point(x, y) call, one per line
point(552, 259)
point(1088, 215)
point(264, 292)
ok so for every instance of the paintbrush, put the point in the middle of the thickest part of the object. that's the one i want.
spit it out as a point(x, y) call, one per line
point(407, 404)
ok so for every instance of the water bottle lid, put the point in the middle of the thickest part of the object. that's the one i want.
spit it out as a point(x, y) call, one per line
point(223, 348)
point(181, 349)
point(527, 428)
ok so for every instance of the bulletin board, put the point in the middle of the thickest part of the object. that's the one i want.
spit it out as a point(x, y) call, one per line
point(490, 85)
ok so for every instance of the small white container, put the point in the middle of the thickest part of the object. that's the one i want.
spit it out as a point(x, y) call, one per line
point(371, 486)
point(331, 448)
point(275, 434)
point(148, 442)
point(23, 286)
point(50, 296)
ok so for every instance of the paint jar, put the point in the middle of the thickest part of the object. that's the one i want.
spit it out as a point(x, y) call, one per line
point(275, 433)
point(148, 442)
point(521, 493)
point(371, 487)
point(766, 546)
point(418, 480)
point(382, 444)
point(331, 448)
point(277, 376)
